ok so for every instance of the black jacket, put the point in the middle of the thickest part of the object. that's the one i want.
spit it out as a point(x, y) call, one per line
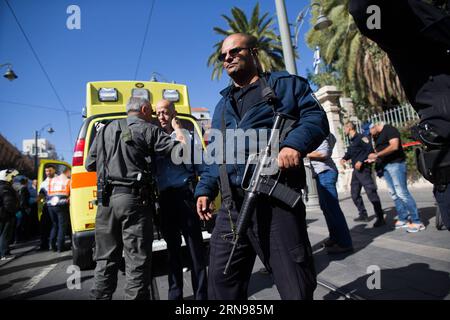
point(359, 149)
point(9, 202)
point(24, 197)
point(416, 37)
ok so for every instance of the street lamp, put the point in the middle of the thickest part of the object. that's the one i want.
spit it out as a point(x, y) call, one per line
point(285, 33)
point(9, 74)
point(36, 135)
point(322, 21)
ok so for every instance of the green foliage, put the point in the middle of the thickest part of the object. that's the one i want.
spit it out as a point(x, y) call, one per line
point(356, 65)
point(270, 51)
point(405, 134)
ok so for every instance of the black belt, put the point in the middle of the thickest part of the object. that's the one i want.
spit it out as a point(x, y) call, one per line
point(126, 190)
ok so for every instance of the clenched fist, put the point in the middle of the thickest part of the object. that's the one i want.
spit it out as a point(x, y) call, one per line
point(288, 158)
point(204, 208)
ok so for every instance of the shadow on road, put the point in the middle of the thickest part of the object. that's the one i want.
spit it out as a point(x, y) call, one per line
point(42, 291)
point(395, 285)
point(37, 264)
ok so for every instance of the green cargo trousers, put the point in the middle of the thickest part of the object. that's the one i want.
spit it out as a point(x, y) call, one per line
point(125, 226)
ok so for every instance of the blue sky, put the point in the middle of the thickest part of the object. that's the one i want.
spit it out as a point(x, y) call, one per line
point(178, 43)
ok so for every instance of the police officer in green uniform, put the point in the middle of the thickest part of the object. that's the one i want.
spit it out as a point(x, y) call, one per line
point(122, 154)
point(358, 151)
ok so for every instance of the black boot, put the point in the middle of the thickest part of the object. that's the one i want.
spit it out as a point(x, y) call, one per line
point(362, 218)
point(380, 215)
point(379, 222)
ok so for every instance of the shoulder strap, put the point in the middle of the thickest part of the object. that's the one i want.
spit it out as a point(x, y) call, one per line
point(225, 188)
point(103, 147)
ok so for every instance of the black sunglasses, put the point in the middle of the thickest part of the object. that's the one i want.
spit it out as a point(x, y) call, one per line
point(233, 53)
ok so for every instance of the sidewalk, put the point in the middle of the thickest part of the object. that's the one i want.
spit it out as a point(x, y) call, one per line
point(412, 266)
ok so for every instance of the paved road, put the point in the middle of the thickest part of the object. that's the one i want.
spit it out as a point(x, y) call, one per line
point(412, 266)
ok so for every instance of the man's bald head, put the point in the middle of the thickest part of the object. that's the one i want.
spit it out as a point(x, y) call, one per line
point(243, 39)
point(165, 111)
point(239, 56)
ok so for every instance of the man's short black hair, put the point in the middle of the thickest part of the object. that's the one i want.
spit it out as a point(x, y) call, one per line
point(351, 125)
point(50, 166)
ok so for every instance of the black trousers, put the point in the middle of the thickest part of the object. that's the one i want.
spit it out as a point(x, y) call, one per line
point(45, 226)
point(443, 198)
point(125, 226)
point(278, 236)
point(178, 216)
point(364, 179)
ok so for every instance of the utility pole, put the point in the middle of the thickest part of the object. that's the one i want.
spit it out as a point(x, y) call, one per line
point(312, 199)
point(36, 162)
point(285, 33)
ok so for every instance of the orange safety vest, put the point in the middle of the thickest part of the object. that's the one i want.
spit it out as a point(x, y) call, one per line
point(58, 190)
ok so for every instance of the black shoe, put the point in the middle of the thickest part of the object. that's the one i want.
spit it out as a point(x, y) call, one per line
point(380, 222)
point(361, 219)
point(328, 243)
point(62, 249)
point(263, 271)
point(334, 249)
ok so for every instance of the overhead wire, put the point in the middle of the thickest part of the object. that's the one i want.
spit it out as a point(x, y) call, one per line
point(42, 68)
point(149, 18)
point(36, 106)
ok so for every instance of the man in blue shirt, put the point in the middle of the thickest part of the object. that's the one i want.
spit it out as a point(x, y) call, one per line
point(178, 216)
point(326, 174)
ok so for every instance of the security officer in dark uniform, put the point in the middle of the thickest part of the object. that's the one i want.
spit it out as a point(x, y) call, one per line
point(122, 154)
point(277, 233)
point(418, 46)
point(178, 216)
point(358, 151)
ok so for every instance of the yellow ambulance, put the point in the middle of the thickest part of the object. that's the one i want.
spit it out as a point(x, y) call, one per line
point(106, 101)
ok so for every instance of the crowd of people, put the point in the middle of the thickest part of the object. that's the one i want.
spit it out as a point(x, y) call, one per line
point(20, 221)
point(381, 150)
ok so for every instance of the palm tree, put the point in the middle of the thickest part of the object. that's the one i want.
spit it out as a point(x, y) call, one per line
point(269, 43)
point(364, 70)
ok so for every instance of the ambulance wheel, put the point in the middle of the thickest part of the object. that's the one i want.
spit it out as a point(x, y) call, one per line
point(83, 258)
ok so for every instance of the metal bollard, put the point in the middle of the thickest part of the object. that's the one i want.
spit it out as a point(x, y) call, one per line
point(312, 196)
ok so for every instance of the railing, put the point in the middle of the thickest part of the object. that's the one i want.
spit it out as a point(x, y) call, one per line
point(397, 117)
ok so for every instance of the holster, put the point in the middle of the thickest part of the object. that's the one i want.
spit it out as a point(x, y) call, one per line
point(104, 191)
point(145, 195)
point(434, 165)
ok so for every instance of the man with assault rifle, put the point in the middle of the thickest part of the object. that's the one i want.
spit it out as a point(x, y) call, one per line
point(268, 217)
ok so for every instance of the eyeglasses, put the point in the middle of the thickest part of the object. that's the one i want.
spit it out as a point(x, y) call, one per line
point(233, 53)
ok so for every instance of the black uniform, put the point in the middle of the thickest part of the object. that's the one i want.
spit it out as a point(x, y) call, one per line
point(9, 204)
point(418, 46)
point(126, 223)
point(358, 151)
point(277, 233)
